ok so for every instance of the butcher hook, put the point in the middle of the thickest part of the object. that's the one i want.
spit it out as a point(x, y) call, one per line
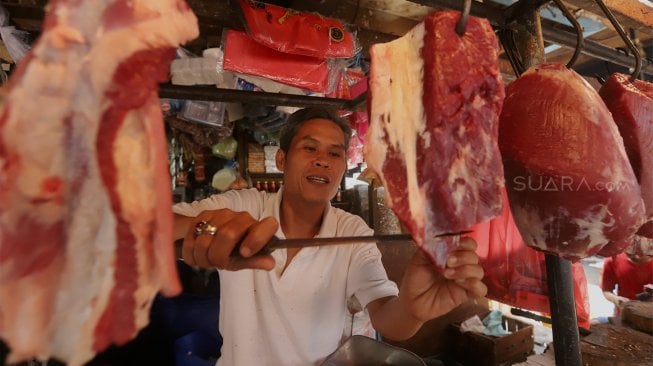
point(462, 22)
point(580, 40)
point(626, 39)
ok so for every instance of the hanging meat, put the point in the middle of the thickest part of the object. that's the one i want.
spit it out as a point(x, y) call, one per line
point(85, 217)
point(631, 105)
point(434, 104)
point(572, 190)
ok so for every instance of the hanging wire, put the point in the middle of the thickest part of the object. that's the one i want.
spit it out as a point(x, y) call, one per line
point(625, 38)
point(507, 39)
point(580, 40)
point(461, 26)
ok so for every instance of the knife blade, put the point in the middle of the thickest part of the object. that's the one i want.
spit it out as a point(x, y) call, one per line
point(276, 243)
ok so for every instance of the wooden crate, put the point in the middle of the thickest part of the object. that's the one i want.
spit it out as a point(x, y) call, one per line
point(475, 349)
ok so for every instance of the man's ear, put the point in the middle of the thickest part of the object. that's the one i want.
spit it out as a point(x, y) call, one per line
point(281, 160)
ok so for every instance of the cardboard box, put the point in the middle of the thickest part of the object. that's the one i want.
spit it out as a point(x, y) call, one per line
point(475, 349)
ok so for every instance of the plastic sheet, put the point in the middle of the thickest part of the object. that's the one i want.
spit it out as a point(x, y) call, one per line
point(515, 274)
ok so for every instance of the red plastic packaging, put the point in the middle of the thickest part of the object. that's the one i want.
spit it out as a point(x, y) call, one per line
point(515, 274)
point(244, 55)
point(298, 33)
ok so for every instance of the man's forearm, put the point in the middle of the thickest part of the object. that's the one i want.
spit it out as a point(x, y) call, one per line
point(391, 318)
point(180, 226)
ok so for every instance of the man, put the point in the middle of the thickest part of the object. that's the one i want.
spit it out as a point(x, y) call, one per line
point(288, 307)
point(624, 276)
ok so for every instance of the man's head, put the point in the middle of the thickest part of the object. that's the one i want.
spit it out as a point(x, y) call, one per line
point(297, 119)
point(313, 155)
point(640, 250)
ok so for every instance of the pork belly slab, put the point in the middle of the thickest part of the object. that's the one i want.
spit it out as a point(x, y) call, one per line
point(435, 99)
point(85, 216)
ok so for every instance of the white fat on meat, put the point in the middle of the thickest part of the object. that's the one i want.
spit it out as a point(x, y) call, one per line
point(405, 63)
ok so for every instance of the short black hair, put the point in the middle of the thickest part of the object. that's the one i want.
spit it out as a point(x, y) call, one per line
point(297, 119)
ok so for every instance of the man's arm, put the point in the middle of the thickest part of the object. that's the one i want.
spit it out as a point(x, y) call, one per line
point(618, 301)
point(425, 294)
point(180, 226)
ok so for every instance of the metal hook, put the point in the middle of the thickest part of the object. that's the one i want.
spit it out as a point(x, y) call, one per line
point(626, 39)
point(507, 39)
point(462, 22)
point(580, 40)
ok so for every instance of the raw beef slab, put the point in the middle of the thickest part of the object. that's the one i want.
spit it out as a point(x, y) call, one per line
point(434, 104)
point(571, 188)
point(631, 105)
point(85, 216)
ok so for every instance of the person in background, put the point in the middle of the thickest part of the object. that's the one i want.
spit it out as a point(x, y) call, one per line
point(625, 275)
point(289, 307)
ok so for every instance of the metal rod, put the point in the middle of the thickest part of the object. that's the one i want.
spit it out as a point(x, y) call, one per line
point(210, 93)
point(595, 49)
point(496, 14)
point(566, 341)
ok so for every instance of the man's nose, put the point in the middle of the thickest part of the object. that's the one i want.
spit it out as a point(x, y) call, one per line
point(321, 162)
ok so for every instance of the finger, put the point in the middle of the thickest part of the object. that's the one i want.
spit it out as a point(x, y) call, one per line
point(466, 243)
point(188, 247)
point(475, 288)
point(258, 236)
point(473, 271)
point(228, 236)
point(201, 250)
point(461, 258)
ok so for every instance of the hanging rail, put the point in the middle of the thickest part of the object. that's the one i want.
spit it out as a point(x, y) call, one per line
point(496, 14)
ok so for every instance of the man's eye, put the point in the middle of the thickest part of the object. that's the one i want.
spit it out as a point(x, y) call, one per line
point(309, 148)
point(336, 154)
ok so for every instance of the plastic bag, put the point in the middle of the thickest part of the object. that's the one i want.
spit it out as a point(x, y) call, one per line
point(244, 55)
point(225, 148)
point(298, 33)
point(16, 41)
point(515, 274)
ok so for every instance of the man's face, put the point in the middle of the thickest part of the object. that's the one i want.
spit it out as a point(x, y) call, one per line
point(315, 162)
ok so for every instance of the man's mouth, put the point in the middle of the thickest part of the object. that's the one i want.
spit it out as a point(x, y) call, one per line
point(316, 179)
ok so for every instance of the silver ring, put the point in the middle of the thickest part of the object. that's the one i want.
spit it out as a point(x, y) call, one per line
point(204, 227)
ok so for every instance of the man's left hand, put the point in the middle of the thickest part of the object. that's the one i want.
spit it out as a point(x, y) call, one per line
point(427, 293)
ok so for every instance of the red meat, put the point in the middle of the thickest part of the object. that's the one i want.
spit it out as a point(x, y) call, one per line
point(434, 104)
point(572, 190)
point(85, 216)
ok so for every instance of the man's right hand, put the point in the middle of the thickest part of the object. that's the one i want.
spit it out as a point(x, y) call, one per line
point(233, 229)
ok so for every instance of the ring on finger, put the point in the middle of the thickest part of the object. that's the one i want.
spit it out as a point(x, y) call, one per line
point(204, 227)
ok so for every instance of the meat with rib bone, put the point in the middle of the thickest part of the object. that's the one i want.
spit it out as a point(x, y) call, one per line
point(571, 188)
point(631, 105)
point(85, 216)
point(434, 104)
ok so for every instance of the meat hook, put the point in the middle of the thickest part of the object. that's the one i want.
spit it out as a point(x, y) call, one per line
point(507, 39)
point(580, 40)
point(625, 38)
point(462, 22)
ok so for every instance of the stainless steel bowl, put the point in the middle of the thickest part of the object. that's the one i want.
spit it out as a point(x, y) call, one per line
point(365, 351)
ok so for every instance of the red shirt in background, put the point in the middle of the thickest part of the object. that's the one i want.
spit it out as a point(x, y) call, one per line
point(630, 277)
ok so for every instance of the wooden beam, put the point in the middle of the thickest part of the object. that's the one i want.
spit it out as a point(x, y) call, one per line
point(630, 13)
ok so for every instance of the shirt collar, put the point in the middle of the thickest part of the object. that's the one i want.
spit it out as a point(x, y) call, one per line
point(327, 230)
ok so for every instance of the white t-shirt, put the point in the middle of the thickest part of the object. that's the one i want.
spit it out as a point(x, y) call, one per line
point(296, 318)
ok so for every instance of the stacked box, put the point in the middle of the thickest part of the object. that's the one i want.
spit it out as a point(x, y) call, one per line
point(255, 158)
point(476, 349)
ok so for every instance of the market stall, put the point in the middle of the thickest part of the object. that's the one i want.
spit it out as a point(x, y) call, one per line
point(223, 112)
